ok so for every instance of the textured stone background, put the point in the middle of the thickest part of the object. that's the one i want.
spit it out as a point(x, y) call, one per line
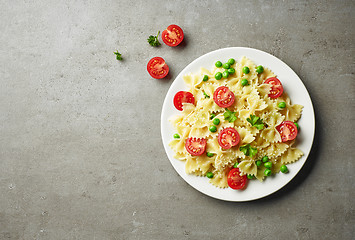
point(81, 155)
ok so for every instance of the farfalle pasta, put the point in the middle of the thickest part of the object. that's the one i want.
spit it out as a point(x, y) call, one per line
point(255, 122)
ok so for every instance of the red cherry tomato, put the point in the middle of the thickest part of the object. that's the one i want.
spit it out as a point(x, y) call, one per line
point(235, 181)
point(195, 146)
point(183, 97)
point(228, 138)
point(172, 35)
point(287, 130)
point(157, 67)
point(276, 89)
point(223, 97)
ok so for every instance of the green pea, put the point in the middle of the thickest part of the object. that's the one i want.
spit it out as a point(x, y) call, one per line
point(246, 70)
point(231, 70)
point(212, 116)
point(258, 163)
point(267, 172)
point(209, 154)
point(218, 64)
point(225, 74)
point(265, 159)
point(213, 128)
point(259, 69)
point(236, 164)
point(216, 121)
point(298, 126)
point(209, 175)
point(226, 65)
point(176, 136)
point(205, 78)
point(218, 76)
point(245, 82)
point(281, 104)
point(231, 61)
point(284, 169)
point(249, 176)
point(268, 164)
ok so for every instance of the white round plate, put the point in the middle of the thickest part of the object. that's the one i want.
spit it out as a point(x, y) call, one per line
point(292, 85)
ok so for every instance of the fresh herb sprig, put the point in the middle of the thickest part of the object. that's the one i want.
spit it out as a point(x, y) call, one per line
point(153, 40)
point(230, 116)
point(248, 150)
point(256, 122)
point(118, 55)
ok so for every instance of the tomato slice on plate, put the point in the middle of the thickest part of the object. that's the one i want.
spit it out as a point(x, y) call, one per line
point(183, 97)
point(157, 67)
point(223, 97)
point(195, 146)
point(228, 138)
point(172, 35)
point(276, 89)
point(287, 130)
point(235, 181)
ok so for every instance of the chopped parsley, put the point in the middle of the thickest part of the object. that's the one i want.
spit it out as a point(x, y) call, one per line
point(230, 116)
point(248, 150)
point(256, 122)
point(118, 55)
point(206, 96)
point(153, 40)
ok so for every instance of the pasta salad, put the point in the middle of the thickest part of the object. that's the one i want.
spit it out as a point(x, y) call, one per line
point(236, 123)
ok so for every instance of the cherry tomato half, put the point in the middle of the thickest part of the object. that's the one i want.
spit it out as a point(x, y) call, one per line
point(195, 146)
point(276, 89)
point(287, 130)
point(235, 181)
point(223, 97)
point(157, 67)
point(228, 138)
point(172, 35)
point(183, 97)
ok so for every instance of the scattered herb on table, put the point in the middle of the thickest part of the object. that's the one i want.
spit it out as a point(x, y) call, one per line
point(153, 40)
point(118, 55)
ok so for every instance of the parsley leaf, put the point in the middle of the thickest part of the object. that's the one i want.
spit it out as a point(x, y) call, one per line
point(248, 150)
point(206, 96)
point(153, 40)
point(230, 116)
point(118, 55)
point(256, 122)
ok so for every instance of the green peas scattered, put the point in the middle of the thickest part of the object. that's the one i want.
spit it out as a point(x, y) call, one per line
point(205, 78)
point(246, 70)
point(258, 163)
point(245, 82)
point(218, 64)
point(281, 104)
point(216, 121)
point(268, 164)
point(231, 70)
point(267, 172)
point(226, 65)
point(225, 74)
point(209, 175)
point(218, 76)
point(259, 69)
point(284, 169)
point(209, 154)
point(298, 126)
point(231, 61)
point(236, 164)
point(212, 116)
point(177, 136)
point(265, 159)
point(213, 128)
point(249, 176)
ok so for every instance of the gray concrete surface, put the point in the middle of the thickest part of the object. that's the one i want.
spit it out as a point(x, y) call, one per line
point(81, 155)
